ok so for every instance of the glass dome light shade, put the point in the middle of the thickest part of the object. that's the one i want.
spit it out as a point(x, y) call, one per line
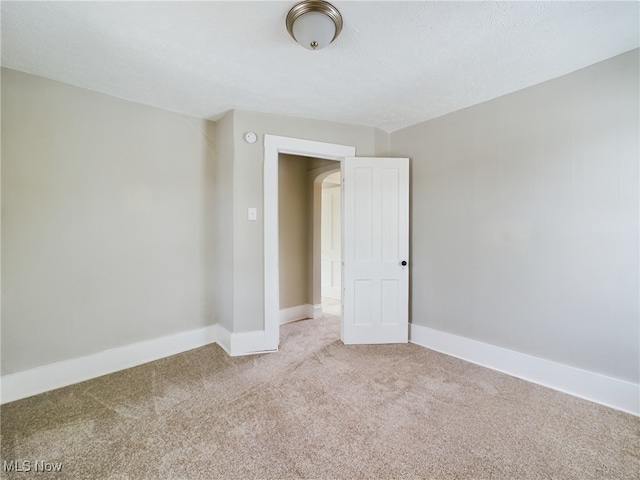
point(314, 30)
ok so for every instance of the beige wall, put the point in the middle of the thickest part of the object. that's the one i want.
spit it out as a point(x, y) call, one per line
point(525, 220)
point(295, 195)
point(382, 143)
point(107, 222)
point(223, 221)
point(248, 296)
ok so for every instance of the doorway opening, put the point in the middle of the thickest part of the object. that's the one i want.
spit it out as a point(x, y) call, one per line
point(375, 232)
point(309, 236)
point(331, 244)
point(274, 146)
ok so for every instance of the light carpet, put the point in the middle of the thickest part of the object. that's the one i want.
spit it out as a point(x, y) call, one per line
point(317, 409)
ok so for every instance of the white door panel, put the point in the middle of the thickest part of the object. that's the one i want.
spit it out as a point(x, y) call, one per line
point(376, 242)
point(331, 257)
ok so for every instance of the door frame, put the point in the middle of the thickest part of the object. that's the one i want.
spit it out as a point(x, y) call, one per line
point(273, 146)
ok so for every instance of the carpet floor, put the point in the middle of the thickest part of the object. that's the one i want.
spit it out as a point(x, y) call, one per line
point(316, 409)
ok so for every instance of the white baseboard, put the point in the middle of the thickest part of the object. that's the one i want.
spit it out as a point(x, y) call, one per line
point(249, 343)
point(56, 375)
point(61, 374)
point(223, 338)
point(608, 391)
point(291, 314)
point(314, 311)
point(243, 343)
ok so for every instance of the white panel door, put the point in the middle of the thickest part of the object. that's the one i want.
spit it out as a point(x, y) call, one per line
point(331, 257)
point(376, 250)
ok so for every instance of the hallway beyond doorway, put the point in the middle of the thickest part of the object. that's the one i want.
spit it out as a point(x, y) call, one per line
point(331, 306)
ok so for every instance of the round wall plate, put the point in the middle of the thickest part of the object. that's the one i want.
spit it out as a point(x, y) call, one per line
point(250, 137)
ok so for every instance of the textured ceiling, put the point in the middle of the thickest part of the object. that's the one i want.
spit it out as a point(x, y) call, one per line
point(395, 63)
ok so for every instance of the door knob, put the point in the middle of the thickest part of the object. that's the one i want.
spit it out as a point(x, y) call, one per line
point(403, 263)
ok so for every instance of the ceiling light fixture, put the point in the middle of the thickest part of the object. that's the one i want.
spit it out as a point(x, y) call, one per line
point(314, 24)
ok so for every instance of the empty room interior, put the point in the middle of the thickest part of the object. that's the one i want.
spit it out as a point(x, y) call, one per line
point(320, 240)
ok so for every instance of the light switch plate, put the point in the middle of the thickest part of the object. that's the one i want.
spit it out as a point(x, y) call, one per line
point(252, 213)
